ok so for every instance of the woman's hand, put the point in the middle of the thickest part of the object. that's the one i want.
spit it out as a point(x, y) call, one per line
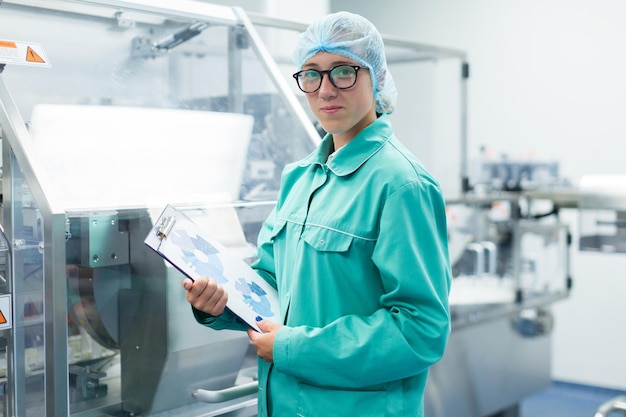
point(206, 295)
point(264, 342)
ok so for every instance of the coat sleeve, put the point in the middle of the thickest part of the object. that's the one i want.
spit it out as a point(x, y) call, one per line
point(225, 321)
point(409, 331)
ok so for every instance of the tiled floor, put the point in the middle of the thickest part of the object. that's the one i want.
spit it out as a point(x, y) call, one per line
point(568, 400)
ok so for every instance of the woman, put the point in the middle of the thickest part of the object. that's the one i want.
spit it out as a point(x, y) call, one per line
point(356, 248)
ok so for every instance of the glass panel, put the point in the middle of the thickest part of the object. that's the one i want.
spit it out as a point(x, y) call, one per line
point(544, 259)
point(6, 321)
point(29, 336)
point(499, 259)
point(106, 66)
point(482, 253)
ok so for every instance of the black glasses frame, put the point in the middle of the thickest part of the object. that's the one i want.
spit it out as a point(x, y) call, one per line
point(322, 73)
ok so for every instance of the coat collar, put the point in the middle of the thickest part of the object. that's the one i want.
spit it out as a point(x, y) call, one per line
point(354, 153)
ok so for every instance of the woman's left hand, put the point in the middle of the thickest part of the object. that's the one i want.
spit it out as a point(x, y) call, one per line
point(264, 342)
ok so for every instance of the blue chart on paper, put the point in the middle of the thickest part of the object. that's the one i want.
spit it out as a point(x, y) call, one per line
point(203, 258)
point(255, 297)
point(196, 248)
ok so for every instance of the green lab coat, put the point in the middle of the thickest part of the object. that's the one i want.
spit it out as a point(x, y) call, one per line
point(357, 248)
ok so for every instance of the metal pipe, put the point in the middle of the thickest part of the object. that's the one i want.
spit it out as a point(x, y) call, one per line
point(465, 181)
point(279, 82)
point(616, 404)
point(223, 395)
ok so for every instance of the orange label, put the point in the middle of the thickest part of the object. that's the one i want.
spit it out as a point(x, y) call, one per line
point(32, 56)
point(3, 320)
point(7, 44)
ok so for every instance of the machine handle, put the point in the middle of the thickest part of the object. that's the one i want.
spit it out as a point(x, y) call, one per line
point(227, 394)
point(616, 404)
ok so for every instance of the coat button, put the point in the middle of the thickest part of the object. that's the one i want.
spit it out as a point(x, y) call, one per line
point(322, 242)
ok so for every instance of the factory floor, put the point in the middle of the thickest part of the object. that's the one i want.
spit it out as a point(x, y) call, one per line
point(563, 399)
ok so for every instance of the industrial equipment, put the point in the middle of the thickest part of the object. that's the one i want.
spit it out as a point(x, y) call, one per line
point(146, 103)
point(138, 105)
point(602, 206)
point(510, 262)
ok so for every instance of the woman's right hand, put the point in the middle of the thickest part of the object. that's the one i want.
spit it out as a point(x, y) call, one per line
point(206, 295)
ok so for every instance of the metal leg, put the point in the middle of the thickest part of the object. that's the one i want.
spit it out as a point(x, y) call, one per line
point(616, 404)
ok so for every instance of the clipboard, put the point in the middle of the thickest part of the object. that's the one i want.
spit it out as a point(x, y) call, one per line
point(195, 253)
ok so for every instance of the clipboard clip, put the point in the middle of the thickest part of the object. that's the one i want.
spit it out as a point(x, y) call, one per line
point(167, 223)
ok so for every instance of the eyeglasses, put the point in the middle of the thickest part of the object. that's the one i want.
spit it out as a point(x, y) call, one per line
point(341, 76)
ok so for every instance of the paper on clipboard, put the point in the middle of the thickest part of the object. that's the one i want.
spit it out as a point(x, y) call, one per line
point(177, 239)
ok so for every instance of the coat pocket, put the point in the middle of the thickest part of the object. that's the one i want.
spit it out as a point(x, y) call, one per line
point(277, 228)
point(326, 240)
point(320, 402)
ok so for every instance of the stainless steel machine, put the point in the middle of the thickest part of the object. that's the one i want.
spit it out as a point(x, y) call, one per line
point(109, 110)
point(510, 260)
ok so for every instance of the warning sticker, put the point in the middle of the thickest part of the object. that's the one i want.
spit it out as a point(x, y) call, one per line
point(32, 56)
point(5, 312)
point(22, 53)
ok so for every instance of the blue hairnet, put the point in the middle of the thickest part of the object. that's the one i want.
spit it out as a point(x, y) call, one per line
point(356, 38)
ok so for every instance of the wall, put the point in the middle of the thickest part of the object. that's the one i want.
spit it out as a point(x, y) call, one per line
point(547, 81)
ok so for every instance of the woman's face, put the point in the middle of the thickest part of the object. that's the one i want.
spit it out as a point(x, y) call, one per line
point(342, 112)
